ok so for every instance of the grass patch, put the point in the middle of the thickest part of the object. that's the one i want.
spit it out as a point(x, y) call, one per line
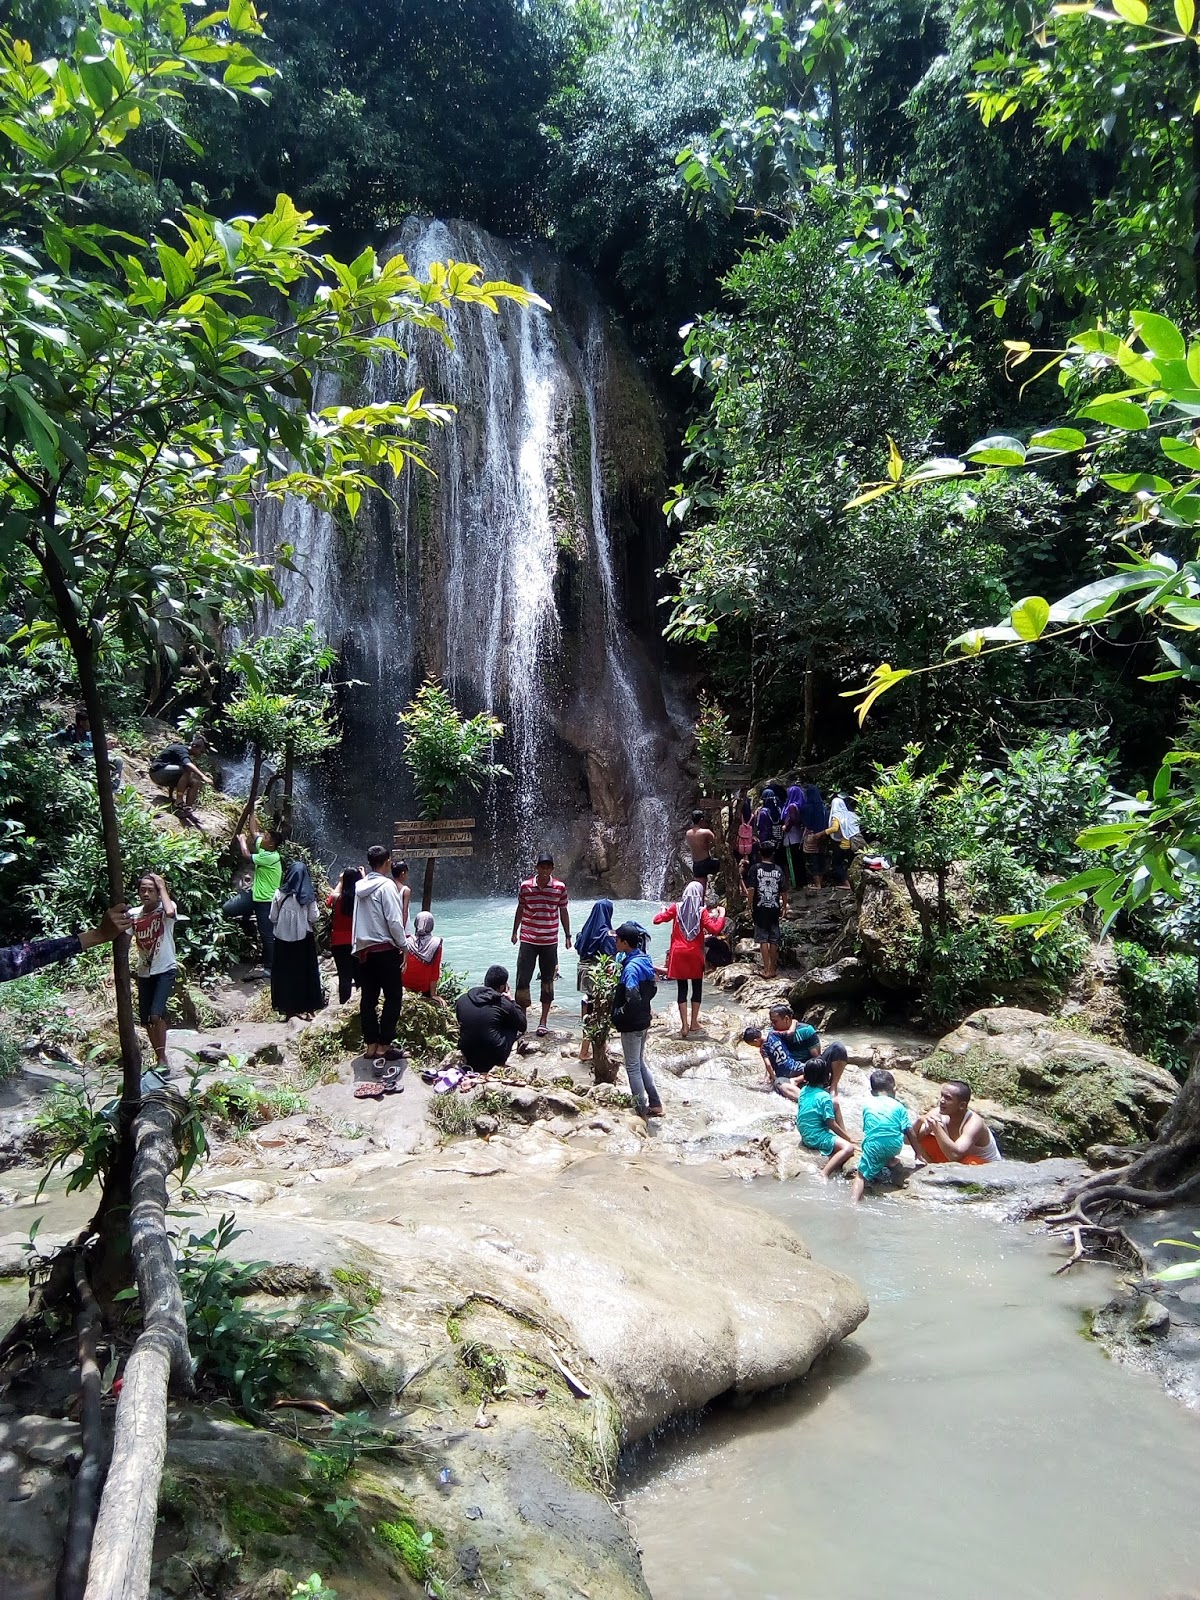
point(360, 1288)
point(414, 1549)
point(240, 1106)
point(454, 1114)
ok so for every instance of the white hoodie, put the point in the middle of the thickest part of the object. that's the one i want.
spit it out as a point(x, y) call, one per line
point(377, 918)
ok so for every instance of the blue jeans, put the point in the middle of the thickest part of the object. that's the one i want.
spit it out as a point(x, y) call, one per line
point(641, 1084)
point(242, 906)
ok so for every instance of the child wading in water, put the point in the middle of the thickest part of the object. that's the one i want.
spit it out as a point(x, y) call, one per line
point(819, 1120)
point(886, 1125)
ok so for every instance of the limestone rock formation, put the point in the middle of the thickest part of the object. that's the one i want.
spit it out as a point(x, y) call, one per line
point(1054, 1091)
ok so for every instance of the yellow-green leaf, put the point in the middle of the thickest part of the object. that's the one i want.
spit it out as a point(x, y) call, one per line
point(1185, 14)
point(895, 462)
point(1029, 617)
point(1135, 11)
point(884, 677)
point(869, 494)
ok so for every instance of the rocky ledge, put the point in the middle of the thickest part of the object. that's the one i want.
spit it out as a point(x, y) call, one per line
point(534, 1309)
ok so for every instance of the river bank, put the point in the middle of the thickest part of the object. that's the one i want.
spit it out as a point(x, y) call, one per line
point(546, 1291)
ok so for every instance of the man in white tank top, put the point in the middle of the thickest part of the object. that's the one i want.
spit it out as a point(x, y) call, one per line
point(954, 1132)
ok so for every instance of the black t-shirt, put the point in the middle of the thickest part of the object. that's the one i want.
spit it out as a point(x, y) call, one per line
point(489, 1024)
point(175, 755)
point(766, 884)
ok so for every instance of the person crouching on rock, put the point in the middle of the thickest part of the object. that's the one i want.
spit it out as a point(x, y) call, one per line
point(631, 1016)
point(886, 1127)
point(954, 1132)
point(489, 1022)
point(786, 1048)
point(818, 1120)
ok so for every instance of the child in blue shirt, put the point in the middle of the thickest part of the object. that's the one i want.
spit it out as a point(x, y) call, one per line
point(886, 1126)
point(819, 1120)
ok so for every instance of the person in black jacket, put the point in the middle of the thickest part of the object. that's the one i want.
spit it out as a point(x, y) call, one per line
point(489, 1022)
point(630, 1014)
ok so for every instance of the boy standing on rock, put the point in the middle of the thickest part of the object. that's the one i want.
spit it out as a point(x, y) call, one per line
point(541, 906)
point(768, 902)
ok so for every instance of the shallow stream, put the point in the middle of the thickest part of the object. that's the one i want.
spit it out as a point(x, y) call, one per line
point(968, 1443)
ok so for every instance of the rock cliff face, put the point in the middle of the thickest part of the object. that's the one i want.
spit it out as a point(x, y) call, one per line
point(522, 572)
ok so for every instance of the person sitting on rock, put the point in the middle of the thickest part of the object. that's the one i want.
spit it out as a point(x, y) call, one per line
point(489, 1022)
point(423, 959)
point(886, 1127)
point(819, 1122)
point(954, 1132)
point(785, 1048)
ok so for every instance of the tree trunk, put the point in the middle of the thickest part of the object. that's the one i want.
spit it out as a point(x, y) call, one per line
point(124, 1539)
point(941, 899)
point(252, 799)
point(919, 904)
point(131, 1050)
point(603, 1070)
point(835, 126)
point(289, 778)
point(810, 709)
point(427, 890)
point(85, 1490)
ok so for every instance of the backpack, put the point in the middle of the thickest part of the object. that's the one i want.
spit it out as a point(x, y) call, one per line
point(745, 838)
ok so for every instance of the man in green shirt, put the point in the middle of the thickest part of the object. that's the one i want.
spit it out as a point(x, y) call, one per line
point(262, 852)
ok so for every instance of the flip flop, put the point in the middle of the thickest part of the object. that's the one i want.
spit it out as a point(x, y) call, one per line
point(394, 1055)
point(390, 1080)
point(449, 1081)
point(542, 1033)
point(368, 1090)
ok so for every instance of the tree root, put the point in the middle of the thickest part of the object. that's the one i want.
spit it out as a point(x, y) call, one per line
point(1077, 1231)
point(85, 1491)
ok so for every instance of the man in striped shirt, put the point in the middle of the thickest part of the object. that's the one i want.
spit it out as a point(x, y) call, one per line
point(541, 906)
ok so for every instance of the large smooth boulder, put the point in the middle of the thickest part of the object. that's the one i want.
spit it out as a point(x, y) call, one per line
point(842, 981)
point(1060, 1090)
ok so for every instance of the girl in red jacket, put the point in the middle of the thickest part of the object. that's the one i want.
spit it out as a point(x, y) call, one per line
point(690, 922)
point(341, 903)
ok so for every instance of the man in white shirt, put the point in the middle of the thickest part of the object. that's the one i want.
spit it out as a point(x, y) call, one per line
point(378, 941)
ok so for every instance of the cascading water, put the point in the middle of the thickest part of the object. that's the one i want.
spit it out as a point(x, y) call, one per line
point(503, 573)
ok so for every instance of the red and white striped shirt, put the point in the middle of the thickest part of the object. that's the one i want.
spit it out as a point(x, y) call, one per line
point(540, 910)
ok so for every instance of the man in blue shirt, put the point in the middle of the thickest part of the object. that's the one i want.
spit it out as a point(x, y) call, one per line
point(785, 1049)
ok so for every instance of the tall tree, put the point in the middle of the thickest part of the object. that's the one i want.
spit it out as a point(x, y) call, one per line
point(147, 408)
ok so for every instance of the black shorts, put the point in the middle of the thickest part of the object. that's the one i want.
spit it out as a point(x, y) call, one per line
point(766, 929)
point(166, 777)
point(545, 958)
point(153, 994)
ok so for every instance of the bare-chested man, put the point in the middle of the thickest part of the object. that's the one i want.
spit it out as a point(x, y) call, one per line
point(700, 840)
point(954, 1132)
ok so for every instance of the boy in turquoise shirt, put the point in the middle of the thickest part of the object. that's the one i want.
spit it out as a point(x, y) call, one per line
point(818, 1119)
point(886, 1126)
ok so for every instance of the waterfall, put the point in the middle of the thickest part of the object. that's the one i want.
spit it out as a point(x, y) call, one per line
point(502, 573)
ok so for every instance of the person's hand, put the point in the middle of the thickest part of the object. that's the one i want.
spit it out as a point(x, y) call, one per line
point(568, 941)
point(116, 920)
point(514, 938)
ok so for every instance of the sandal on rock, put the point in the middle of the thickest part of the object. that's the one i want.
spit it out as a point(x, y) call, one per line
point(389, 1081)
point(430, 1075)
point(368, 1090)
point(392, 1054)
point(449, 1081)
point(542, 1032)
point(654, 1111)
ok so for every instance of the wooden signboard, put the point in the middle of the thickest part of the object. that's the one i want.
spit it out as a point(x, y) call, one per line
point(733, 774)
point(448, 836)
point(443, 824)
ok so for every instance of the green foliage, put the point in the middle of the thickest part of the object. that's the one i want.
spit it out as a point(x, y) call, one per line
point(241, 1106)
point(453, 982)
point(80, 1119)
point(286, 695)
point(414, 1549)
point(712, 739)
point(444, 752)
point(1179, 1271)
point(453, 1115)
point(313, 1588)
point(242, 1351)
point(1045, 795)
point(613, 194)
point(604, 979)
point(74, 890)
point(10, 1055)
point(1161, 999)
point(37, 1004)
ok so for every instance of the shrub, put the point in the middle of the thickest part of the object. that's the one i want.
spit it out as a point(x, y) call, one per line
point(247, 1353)
point(74, 890)
point(1161, 996)
point(1045, 795)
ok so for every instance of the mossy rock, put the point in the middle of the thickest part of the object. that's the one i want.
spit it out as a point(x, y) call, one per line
point(1075, 1090)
